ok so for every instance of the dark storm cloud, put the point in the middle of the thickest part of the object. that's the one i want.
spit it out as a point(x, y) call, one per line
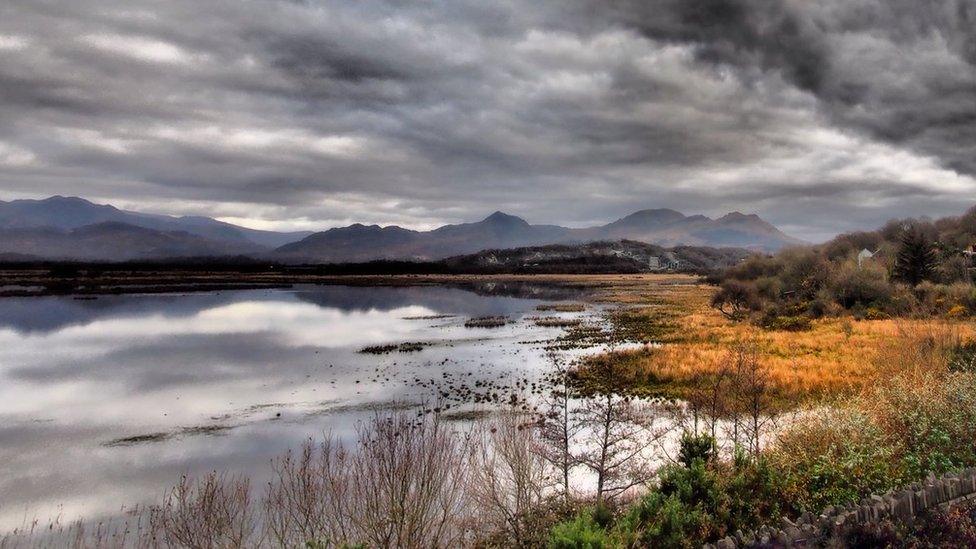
point(318, 113)
point(764, 33)
point(902, 70)
point(309, 58)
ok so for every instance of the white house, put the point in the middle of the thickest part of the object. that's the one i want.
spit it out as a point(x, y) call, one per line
point(864, 255)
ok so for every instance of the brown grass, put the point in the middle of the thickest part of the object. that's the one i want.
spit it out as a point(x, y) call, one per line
point(836, 356)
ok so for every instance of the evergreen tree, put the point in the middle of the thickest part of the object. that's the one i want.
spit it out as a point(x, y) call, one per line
point(916, 260)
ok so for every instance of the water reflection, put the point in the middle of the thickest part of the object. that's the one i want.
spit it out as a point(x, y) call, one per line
point(106, 402)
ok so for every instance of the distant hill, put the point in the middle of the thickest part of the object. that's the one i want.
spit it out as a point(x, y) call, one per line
point(112, 241)
point(625, 256)
point(499, 231)
point(59, 212)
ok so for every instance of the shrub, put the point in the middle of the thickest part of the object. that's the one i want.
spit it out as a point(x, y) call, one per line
point(736, 298)
point(702, 501)
point(695, 447)
point(872, 313)
point(583, 532)
point(929, 420)
point(786, 323)
point(805, 272)
point(831, 458)
point(901, 301)
point(769, 287)
point(957, 311)
point(756, 266)
point(867, 285)
point(938, 299)
point(953, 269)
point(824, 305)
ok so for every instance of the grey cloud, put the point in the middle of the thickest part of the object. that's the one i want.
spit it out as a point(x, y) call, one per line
point(570, 112)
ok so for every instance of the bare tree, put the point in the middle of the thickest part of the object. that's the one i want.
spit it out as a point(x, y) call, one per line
point(509, 479)
point(409, 479)
point(620, 430)
point(751, 392)
point(708, 402)
point(403, 484)
point(309, 497)
point(617, 428)
point(558, 426)
point(214, 511)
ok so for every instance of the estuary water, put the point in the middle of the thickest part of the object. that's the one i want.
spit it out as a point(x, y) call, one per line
point(105, 402)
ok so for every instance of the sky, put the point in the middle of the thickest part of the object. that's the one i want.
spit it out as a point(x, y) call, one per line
point(822, 116)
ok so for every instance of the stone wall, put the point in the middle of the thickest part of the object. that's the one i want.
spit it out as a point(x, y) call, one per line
point(899, 505)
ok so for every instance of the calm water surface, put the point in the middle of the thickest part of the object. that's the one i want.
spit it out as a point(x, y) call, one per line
point(106, 402)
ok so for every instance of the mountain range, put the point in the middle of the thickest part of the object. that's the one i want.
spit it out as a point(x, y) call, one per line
point(67, 213)
point(498, 231)
point(76, 229)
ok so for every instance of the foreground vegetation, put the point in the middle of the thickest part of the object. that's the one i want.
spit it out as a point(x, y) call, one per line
point(916, 419)
point(601, 465)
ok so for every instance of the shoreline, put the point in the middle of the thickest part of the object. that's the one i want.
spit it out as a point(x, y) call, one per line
point(40, 282)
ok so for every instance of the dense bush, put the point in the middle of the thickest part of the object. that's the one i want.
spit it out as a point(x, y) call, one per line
point(836, 457)
point(929, 421)
point(698, 499)
point(736, 298)
point(918, 268)
point(941, 298)
point(701, 501)
point(867, 285)
point(583, 532)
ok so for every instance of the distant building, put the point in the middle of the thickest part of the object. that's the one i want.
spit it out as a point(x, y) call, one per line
point(670, 261)
point(863, 256)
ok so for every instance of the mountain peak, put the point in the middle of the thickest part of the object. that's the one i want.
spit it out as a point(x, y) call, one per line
point(62, 198)
point(502, 218)
point(649, 217)
point(70, 202)
point(739, 216)
point(657, 211)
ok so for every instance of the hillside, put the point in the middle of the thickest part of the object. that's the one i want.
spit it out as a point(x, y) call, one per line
point(112, 241)
point(624, 256)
